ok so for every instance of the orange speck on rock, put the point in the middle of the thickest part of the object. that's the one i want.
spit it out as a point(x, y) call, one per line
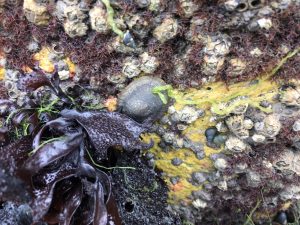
point(72, 67)
point(27, 69)
point(177, 187)
point(111, 103)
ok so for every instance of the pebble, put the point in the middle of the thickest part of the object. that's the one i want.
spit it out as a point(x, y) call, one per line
point(202, 194)
point(200, 155)
point(169, 137)
point(210, 133)
point(174, 180)
point(198, 178)
point(176, 161)
point(137, 100)
point(281, 218)
point(220, 139)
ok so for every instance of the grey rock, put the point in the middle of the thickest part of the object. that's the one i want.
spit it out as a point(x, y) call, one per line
point(137, 100)
point(200, 155)
point(176, 161)
point(205, 195)
point(174, 180)
point(198, 178)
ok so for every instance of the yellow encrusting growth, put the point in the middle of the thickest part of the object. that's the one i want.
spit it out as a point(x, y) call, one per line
point(215, 99)
point(2, 69)
point(43, 58)
point(46, 65)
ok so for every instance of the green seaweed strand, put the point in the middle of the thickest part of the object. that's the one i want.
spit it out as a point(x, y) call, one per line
point(283, 61)
point(108, 168)
point(110, 19)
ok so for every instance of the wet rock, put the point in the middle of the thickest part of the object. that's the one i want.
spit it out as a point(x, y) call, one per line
point(205, 195)
point(169, 137)
point(220, 139)
point(137, 100)
point(142, 3)
point(176, 161)
point(198, 178)
point(210, 133)
point(174, 180)
point(281, 218)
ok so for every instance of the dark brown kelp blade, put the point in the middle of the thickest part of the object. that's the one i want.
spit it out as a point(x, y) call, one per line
point(43, 193)
point(107, 129)
point(100, 211)
point(65, 202)
point(53, 151)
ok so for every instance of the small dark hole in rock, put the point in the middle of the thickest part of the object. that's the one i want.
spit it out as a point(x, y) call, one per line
point(252, 154)
point(129, 206)
point(241, 7)
point(255, 3)
point(208, 88)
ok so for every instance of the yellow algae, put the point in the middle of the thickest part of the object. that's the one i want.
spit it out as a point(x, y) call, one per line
point(2, 73)
point(216, 99)
point(43, 59)
point(2, 69)
point(46, 65)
